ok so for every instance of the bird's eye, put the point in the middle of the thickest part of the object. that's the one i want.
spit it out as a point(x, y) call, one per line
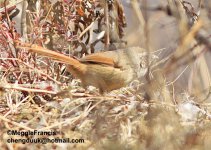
point(143, 63)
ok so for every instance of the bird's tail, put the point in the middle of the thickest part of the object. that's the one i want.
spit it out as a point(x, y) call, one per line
point(74, 65)
point(49, 53)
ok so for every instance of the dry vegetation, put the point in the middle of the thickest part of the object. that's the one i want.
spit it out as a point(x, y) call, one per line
point(169, 109)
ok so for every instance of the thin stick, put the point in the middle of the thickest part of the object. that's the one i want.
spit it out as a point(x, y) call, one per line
point(16, 106)
point(177, 76)
point(15, 123)
point(15, 87)
point(107, 38)
point(87, 29)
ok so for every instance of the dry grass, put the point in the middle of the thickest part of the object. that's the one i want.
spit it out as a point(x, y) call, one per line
point(170, 109)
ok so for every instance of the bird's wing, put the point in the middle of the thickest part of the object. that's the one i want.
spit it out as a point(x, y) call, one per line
point(98, 58)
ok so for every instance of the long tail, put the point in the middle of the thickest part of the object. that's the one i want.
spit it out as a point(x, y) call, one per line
point(49, 53)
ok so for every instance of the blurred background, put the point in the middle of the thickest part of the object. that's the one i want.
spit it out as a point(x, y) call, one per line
point(169, 109)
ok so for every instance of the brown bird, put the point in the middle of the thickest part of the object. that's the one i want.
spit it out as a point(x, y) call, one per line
point(107, 71)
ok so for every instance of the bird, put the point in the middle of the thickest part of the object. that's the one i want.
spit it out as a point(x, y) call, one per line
point(107, 70)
